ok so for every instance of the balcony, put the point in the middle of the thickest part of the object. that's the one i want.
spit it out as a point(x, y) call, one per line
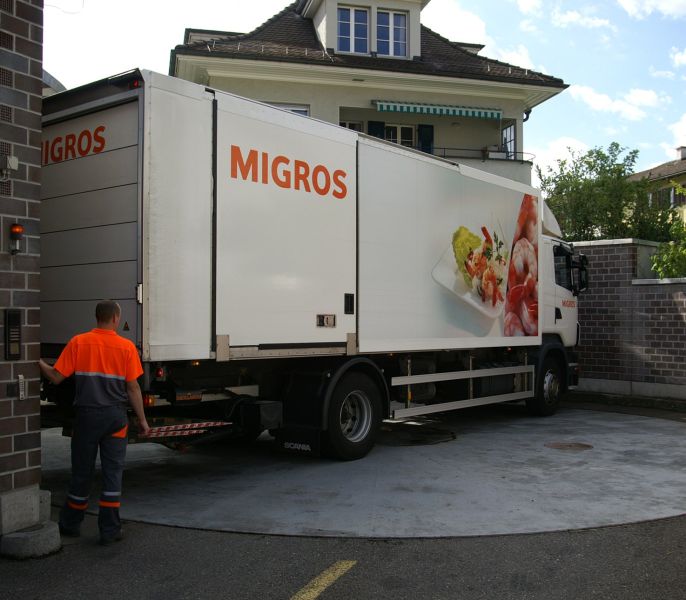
point(492, 159)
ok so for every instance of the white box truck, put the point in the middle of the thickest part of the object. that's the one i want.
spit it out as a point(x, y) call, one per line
point(287, 274)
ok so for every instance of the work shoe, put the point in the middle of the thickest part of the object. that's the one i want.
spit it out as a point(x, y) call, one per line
point(68, 532)
point(106, 540)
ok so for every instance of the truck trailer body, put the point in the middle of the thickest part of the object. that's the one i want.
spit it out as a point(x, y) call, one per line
point(295, 275)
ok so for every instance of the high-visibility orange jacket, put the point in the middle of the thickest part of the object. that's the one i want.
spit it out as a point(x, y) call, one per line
point(102, 362)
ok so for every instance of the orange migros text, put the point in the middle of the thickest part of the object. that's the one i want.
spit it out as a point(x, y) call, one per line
point(287, 173)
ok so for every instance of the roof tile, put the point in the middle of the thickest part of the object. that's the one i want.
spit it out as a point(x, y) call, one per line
point(289, 37)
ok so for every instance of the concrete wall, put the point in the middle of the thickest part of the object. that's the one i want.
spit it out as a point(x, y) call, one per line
point(21, 36)
point(633, 327)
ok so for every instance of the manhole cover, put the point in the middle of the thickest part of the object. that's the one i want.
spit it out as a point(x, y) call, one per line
point(569, 446)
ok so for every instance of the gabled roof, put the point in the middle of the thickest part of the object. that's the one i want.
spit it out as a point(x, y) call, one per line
point(289, 37)
point(668, 170)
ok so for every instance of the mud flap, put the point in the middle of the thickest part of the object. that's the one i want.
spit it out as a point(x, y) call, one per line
point(300, 440)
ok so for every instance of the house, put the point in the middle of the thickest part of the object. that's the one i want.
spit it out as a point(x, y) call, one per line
point(374, 67)
point(665, 176)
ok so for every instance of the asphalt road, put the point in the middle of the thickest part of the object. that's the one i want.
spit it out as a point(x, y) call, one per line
point(635, 561)
point(639, 561)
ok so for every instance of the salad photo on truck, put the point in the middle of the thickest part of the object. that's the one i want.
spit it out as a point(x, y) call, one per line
point(279, 273)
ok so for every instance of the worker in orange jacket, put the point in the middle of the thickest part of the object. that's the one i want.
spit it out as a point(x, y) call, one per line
point(106, 368)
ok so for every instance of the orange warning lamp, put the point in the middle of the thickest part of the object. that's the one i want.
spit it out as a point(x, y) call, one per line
point(16, 236)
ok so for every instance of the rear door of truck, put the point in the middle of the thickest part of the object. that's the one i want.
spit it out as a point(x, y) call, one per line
point(90, 224)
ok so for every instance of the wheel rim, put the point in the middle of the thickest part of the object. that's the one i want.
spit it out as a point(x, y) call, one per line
point(551, 387)
point(356, 416)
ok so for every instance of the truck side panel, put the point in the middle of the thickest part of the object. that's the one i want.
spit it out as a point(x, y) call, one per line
point(286, 228)
point(177, 220)
point(89, 220)
point(412, 294)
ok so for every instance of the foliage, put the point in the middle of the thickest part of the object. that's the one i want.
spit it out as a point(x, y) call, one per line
point(670, 259)
point(593, 198)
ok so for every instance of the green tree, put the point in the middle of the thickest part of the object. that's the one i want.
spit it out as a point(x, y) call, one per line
point(670, 259)
point(593, 198)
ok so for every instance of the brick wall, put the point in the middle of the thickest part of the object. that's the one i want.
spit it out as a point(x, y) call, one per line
point(633, 337)
point(21, 38)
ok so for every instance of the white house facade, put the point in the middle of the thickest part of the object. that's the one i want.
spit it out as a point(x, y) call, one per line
point(372, 66)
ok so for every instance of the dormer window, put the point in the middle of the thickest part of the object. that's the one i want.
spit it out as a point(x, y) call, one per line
point(353, 30)
point(391, 33)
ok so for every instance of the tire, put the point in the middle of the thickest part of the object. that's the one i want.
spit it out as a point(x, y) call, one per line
point(354, 417)
point(548, 389)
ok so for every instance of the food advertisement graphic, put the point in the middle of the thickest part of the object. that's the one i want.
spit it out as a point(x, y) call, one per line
point(521, 306)
point(494, 274)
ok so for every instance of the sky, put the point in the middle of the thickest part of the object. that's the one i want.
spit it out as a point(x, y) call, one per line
point(624, 60)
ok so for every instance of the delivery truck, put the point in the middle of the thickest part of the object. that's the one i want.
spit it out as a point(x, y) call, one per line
point(281, 273)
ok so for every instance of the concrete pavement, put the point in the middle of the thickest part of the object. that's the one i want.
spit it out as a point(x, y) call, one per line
point(471, 473)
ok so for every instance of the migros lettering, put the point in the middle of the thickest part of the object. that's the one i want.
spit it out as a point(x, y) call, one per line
point(287, 173)
point(74, 145)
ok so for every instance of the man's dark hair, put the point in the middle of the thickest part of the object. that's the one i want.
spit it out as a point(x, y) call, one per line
point(106, 310)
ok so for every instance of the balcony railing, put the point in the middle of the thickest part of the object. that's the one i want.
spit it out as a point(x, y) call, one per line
point(483, 154)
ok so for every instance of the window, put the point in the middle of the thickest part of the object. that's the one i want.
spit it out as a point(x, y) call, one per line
point(391, 33)
point(400, 134)
point(563, 268)
point(298, 109)
point(508, 141)
point(354, 125)
point(353, 30)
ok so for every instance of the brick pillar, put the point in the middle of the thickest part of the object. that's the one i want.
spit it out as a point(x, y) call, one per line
point(21, 52)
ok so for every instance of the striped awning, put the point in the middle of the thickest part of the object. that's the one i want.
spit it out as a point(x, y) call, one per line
point(437, 109)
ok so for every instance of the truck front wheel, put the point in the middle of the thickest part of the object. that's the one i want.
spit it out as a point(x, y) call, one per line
point(548, 389)
point(354, 417)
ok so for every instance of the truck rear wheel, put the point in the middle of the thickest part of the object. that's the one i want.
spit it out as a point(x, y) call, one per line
point(548, 389)
point(354, 417)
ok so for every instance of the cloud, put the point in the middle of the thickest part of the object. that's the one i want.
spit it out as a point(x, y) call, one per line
point(554, 150)
point(639, 9)
point(450, 20)
point(678, 130)
point(661, 74)
point(629, 107)
point(678, 57)
point(528, 26)
point(573, 17)
point(529, 6)
point(518, 56)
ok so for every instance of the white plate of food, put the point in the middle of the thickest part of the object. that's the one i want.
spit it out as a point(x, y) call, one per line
point(474, 268)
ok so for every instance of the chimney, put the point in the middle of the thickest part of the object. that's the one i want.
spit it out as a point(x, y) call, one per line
point(681, 153)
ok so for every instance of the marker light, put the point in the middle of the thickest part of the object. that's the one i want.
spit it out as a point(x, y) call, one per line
point(16, 236)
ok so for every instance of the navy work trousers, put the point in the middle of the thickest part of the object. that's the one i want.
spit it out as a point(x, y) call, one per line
point(103, 429)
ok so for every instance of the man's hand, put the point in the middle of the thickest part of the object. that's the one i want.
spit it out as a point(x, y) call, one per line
point(144, 428)
point(50, 373)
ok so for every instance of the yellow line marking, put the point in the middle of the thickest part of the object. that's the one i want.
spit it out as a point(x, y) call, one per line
point(314, 589)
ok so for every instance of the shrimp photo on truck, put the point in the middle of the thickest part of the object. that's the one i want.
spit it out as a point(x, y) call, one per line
point(280, 273)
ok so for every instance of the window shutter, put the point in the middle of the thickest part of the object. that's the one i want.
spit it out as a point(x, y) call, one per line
point(425, 137)
point(376, 128)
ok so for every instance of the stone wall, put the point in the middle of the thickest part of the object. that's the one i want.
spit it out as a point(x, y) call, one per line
point(21, 36)
point(633, 328)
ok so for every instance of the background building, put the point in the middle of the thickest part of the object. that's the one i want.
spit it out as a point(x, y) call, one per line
point(665, 176)
point(373, 67)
